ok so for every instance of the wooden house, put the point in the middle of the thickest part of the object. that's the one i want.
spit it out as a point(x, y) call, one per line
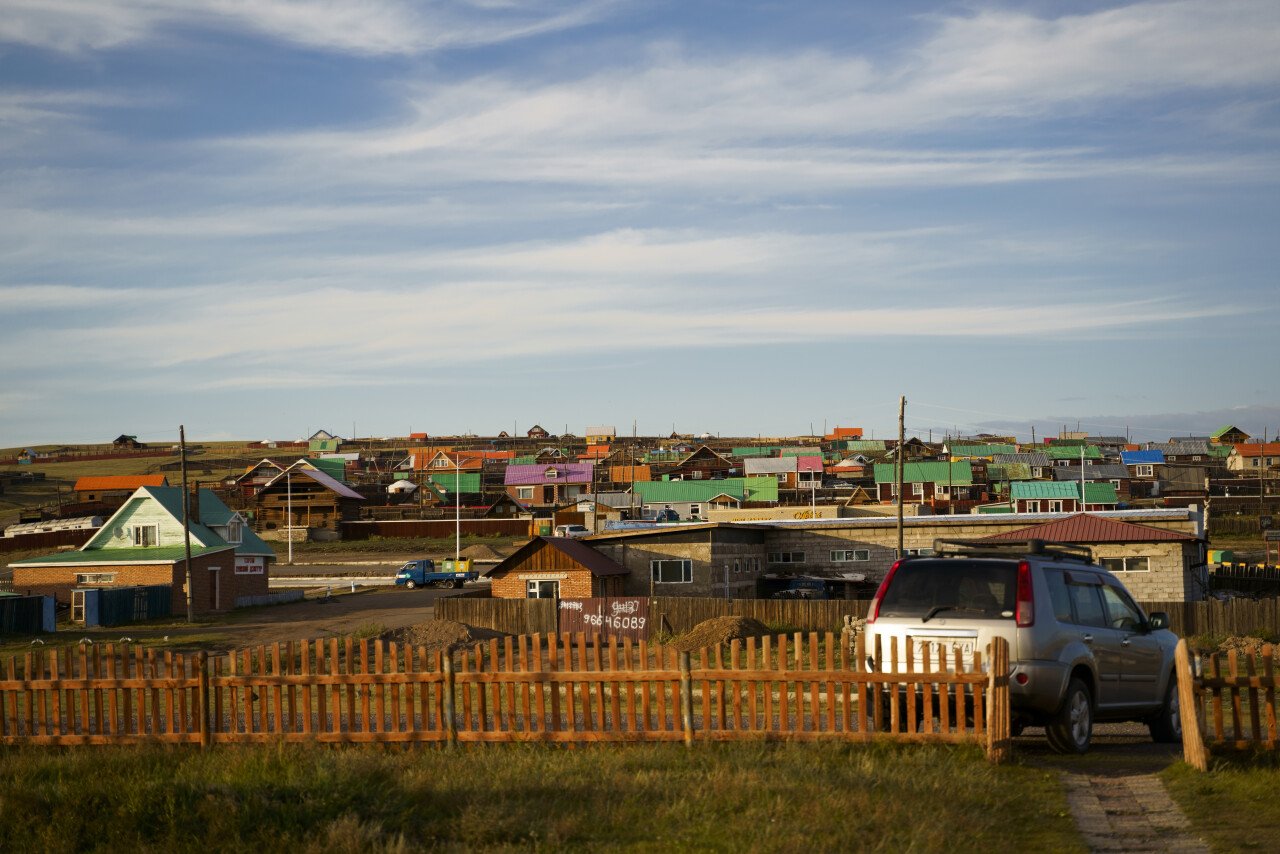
point(703, 464)
point(315, 499)
point(927, 482)
point(557, 568)
point(543, 485)
point(1229, 435)
point(536, 432)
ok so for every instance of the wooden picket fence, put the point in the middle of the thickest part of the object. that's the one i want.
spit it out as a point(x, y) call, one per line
point(1229, 708)
point(549, 688)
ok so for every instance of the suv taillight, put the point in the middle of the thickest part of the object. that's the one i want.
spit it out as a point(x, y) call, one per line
point(874, 611)
point(1026, 613)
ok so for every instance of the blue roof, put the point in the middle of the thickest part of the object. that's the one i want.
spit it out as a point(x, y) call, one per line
point(1131, 458)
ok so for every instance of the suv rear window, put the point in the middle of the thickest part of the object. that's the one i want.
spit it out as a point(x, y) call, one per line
point(961, 587)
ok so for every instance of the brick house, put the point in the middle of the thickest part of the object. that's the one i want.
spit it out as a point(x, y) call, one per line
point(557, 568)
point(1156, 564)
point(142, 543)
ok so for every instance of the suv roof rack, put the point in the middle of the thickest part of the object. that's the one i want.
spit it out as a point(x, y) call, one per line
point(1011, 548)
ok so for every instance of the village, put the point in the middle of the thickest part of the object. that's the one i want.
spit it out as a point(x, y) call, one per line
point(807, 517)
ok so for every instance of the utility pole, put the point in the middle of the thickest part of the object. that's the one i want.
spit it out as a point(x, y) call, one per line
point(902, 441)
point(186, 517)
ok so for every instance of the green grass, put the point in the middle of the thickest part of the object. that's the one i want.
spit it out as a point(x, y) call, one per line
point(786, 797)
point(1233, 807)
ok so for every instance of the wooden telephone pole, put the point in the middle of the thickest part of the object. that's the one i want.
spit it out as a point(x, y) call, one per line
point(902, 441)
point(186, 517)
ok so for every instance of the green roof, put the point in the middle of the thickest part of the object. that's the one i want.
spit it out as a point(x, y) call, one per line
point(1058, 451)
point(448, 481)
point(335, 468)
point(956, 473)
point(755, 451)
point(682, 491)
point(958, 451)
point(136, 555)
point(1100, 493)
point(525, 460)
point(995, 508)
point(1036, 489)
point(862, 445)
point(1221, 431)
point(1008, 471)
point(809, 451)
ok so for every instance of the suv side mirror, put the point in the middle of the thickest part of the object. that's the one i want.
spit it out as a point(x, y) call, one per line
point(1158, 620)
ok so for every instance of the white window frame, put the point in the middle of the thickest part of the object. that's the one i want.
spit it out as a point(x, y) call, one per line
point(850, 555)
point(235, 531)
point(695, 509)
point(1145, 470)
point(685, 568)
point(524, 493)
point(139, 536)
point(917, 490)
point(1033, 505)
point(95, 578)
point(1126, 564)
point(1055, 505)
point(533, 586)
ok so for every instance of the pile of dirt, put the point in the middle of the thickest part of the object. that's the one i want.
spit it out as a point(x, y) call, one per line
point(1243, 645)
point(443, 634)
point(719, 630)
point(481, 551)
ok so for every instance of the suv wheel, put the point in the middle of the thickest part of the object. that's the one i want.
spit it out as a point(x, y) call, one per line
point(1071, 729)
point(1166, 726)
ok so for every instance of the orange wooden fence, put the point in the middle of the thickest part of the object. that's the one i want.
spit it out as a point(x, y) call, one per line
point(1231, 707)
point(552, 688)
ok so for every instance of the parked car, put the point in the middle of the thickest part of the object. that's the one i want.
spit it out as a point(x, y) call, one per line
point(1080, 649)
point(666, 515)
point(573, 532)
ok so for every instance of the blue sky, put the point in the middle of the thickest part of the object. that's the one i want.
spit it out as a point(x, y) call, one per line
point(262, 217)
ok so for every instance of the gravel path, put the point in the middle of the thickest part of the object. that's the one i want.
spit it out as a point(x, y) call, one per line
point(1128, 813)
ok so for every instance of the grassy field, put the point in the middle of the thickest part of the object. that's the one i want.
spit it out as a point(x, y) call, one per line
point(1234, 807)
point(794, 797)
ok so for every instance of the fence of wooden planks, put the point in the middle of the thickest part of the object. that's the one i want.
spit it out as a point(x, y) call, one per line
point(1229, 705)
point(549, 688)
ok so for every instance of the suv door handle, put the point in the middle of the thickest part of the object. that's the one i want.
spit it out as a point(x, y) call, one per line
point(1087, 638)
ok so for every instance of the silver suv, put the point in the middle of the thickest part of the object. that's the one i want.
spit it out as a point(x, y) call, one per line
point(1080, 648)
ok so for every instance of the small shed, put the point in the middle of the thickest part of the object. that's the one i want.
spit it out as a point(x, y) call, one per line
point(556, 568)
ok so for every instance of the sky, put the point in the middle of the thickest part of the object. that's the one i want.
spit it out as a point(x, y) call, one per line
point(260, 218)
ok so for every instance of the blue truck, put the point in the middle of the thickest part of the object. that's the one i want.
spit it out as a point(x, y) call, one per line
point(420, 573)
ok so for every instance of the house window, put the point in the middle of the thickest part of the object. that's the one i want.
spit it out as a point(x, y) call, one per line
point(942, 490)
point(917, 489)
point(696, 475)
point(524, 492)
point(671, 571)
point(737, 567)
point(549, 474)
point(1127, 564)
point(1033, 507)
point(235, 531)
point(95, 578)
point(844, 555)
point(1055, 506)
point(145, 535)
point(1146, 471)
point(786, 557)
point(441, 463)
point(919, 552)
point(542, 589)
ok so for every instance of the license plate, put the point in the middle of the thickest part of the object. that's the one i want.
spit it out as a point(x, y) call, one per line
point(944, 649)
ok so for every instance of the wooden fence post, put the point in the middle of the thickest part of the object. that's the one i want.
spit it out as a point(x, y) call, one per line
point(450, 720)
point(686, 699)
point(206, 716)
point(1194, 753)
point(999, 725)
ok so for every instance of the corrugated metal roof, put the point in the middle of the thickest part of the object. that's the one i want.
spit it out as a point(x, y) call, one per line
point(1035, 460)
point(1087, 528)
point(577, 551)
point(1181, 449)
point(683, 491)
point(1072, 452)
point(770, 465)
point(322, 478)
point(980, 450)
point(1038, 489)
point(90, 557)
point(1133, 458)
point(1101, 471)
point(1100, 493)
point(956, 473)
point(809, 463)
point(100, 483)
point(523, 475)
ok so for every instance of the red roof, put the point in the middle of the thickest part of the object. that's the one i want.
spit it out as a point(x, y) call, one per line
point(845, 433)
point(1087, 528)
point(1257, 449)
point(102, 483)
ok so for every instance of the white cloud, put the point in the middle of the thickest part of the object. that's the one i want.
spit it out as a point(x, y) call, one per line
point(355, 26)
